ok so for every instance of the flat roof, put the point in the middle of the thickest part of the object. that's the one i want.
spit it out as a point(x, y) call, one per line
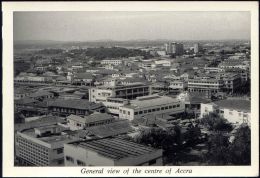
point(237, 104)
point(115, 148)
point(151, 100)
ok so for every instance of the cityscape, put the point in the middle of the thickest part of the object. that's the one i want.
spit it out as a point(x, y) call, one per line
point(124, 98)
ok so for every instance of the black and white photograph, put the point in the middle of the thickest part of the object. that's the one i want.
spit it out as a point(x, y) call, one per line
point(142, 88)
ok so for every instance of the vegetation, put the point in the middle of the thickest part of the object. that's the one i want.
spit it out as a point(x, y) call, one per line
point(115, 52)
point(215, 122)
point(20, 67)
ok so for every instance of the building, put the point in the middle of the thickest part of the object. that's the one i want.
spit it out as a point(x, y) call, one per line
point(41, 146)
point(174, 48)
point(152, 104)
point(236, 111)
point(110, 152)
point(197, 48)
point(41, 95)
point(232, 82)
point(111, 62)
point(210, 85)
point(113, 104)
point(80, 107)
point(130, 91)
point(95, 119)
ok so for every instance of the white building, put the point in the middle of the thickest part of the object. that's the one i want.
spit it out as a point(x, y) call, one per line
point(111, 62)
point(152, 104)
point(111, 152)
point(113, 104)
point(130, 91)
point(42, 146)
point(163, 62)
point(236, 111)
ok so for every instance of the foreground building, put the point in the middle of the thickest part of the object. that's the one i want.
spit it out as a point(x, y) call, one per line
point(152, 104)
point(110, 152)
point(42, 146)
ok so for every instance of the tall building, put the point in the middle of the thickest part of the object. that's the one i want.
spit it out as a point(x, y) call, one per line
point(174, 48)
point(197, 48)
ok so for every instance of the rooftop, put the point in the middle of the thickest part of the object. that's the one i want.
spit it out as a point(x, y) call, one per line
point(151, 100)
point(111, 129)
point(95, 117)
point(75, 103)
point(237, 104)
point(115, 148)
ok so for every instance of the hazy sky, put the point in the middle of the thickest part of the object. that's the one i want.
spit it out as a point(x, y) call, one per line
point(83, 26)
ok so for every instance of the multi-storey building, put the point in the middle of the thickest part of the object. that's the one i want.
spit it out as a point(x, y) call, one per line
point(111, 152)
point(111, 62)
point(42, 146)
point(130, 91)
point(197, 48)
point(205, 85)
point(231, 82)
point(151, 105)
point(113, 104)
point(174, 48)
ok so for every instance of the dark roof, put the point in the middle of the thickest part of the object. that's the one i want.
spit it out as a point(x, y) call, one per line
point(115, 148)
point(111, 129)
point(237, 104)
point(75, 103)
point(84, 76)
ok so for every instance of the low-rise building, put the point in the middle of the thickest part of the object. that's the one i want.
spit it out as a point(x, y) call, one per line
point(129, 91)
point(152, 104)
point(236, 111)
point(77, 107)
point(95, 119)
point(110, 152)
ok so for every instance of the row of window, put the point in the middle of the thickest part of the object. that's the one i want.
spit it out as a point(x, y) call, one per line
point(151, 110)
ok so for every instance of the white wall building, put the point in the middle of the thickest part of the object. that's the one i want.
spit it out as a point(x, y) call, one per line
point(236, 111)
point(152, 104)
point(111, 62)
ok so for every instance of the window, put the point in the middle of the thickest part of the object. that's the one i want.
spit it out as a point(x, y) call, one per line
point(136, 113)
point(170, 107)
point(166, 107)
point(145, 111)
point(79, 125)
point(153, 110)
point(123, 111)
point(178, 105)
point(61, 161)
point(59, 150)
point(158, 109)
point(140, 112)
point(174, 106)
point(80, 163)
point(128, 112)
point(149, 110)
point(162, 108)
point(152, 162)
point(70, 159)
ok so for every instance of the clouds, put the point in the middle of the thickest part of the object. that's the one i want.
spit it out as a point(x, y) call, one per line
point(83, 26)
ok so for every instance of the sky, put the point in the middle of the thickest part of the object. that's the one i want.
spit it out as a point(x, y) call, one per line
point(122, 26)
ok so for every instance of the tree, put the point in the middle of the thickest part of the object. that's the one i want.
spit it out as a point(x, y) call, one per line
point(218, 150)
point(240, 149)
point(214, 122)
